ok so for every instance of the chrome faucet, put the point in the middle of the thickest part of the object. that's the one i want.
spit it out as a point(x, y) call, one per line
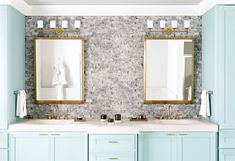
point(169, 112)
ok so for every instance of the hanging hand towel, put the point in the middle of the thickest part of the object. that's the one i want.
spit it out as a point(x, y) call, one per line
point(205, 104)
point(21, 110)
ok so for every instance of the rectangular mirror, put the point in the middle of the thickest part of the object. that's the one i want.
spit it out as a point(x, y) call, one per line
point(168, 71)
point(59, 66)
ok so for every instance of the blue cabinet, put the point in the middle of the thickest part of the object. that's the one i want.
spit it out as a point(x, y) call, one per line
point(12, 29)
point(154, 146)
point(112, 147)
point(218, 59)
point(218, 73)
point(12, 54)
point(3, 154)
point(48, 146)
point(70, 146)
point(227, 155)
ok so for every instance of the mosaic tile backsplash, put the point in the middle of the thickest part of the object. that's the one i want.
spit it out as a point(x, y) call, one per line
point(114, 52)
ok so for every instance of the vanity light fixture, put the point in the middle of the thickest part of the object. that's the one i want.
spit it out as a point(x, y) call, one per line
point(40, 24)
point(59, 30)
point(52, 24)
point(149, 24)
point(162, 24)
point(64, 24)
point(174, 24)
point(77, 24)
point(187, 24)
point(169, 30)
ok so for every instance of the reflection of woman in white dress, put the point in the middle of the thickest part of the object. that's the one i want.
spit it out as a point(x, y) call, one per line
point(59, 78)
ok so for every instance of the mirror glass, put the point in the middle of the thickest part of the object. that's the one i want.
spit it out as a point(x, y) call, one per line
point(168, 65)
point(59, 65)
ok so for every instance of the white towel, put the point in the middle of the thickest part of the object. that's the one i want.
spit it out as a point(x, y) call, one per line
point(205, 104)
point(21, 110)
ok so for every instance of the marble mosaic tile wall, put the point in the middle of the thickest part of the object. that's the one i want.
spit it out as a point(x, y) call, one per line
point(114, 50)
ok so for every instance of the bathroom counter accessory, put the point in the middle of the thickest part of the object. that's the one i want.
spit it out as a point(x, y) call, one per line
point(124, 127)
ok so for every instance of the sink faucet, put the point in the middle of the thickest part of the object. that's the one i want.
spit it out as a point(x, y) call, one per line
point(57, 112)
point(169, 112)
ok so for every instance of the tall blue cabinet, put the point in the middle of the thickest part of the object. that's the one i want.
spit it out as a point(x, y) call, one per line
point(12, 56)
point(218, 73)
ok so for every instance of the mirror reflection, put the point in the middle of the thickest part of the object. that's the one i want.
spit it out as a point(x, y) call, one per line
point(59, 68)
point(169, 70)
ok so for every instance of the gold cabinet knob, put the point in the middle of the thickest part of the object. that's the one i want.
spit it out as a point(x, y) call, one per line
point(178, 116)
point(49, 116)
point(66, 116)
point(159, 116)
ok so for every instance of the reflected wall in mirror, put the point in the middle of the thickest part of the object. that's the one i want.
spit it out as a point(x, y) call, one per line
point(169, 71)
point(59, 65)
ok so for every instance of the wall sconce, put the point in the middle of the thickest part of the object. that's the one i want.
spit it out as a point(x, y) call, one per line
point(149, 24)
point(169, 30)
point(59, 30)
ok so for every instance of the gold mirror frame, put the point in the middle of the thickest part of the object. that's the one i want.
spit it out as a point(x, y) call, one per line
point(82, 101)
point(168, 101)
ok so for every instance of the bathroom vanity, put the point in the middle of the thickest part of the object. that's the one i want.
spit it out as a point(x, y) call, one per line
point(152, 140)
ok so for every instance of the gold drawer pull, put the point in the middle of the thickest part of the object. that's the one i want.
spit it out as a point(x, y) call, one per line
point(113, 142)
point(171, 134)
point(43, 134)
point(55, 134)
point(113, 158)
point(183, 134)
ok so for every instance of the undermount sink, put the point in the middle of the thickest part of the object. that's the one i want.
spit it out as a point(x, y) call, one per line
point(54, 122)
point(177, 122)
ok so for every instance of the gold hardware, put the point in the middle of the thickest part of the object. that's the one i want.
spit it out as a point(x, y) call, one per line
point(49, 116)
point(168, 30)
point(169, 112)
point(171, 134)
point(57, 112)
point(159, 116)
point(82, 101)
point(43, 134)
point(66, 116)
point(183, 134)
point(58, 31)
point(113, 158)
point(178, 116)
point(145, 69)
point(113, 142)
point(55, 134)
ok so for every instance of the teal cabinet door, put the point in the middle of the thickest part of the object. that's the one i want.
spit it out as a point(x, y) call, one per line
point(157, 147)
point(3, 154)
point(229, 72)
point(30, 147)
point(70, 147)
point(197, 147)
point(227, 155)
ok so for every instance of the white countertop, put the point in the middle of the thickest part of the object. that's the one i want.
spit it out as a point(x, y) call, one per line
point(124, 127)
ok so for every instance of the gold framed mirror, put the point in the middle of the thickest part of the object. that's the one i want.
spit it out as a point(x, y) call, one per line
point(59, 70)
point(168, 70)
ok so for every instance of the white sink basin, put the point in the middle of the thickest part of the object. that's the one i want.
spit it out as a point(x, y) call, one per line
point(178, 122)
point(52, 122)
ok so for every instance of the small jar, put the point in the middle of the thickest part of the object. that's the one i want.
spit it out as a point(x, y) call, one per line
point(103, 117)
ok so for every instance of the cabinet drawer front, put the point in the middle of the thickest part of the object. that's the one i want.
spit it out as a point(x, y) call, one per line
point(227, 155)
point(112, 142)
point(3, 155)
point(113, 156)
point(3, 140)
point(227, 139)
